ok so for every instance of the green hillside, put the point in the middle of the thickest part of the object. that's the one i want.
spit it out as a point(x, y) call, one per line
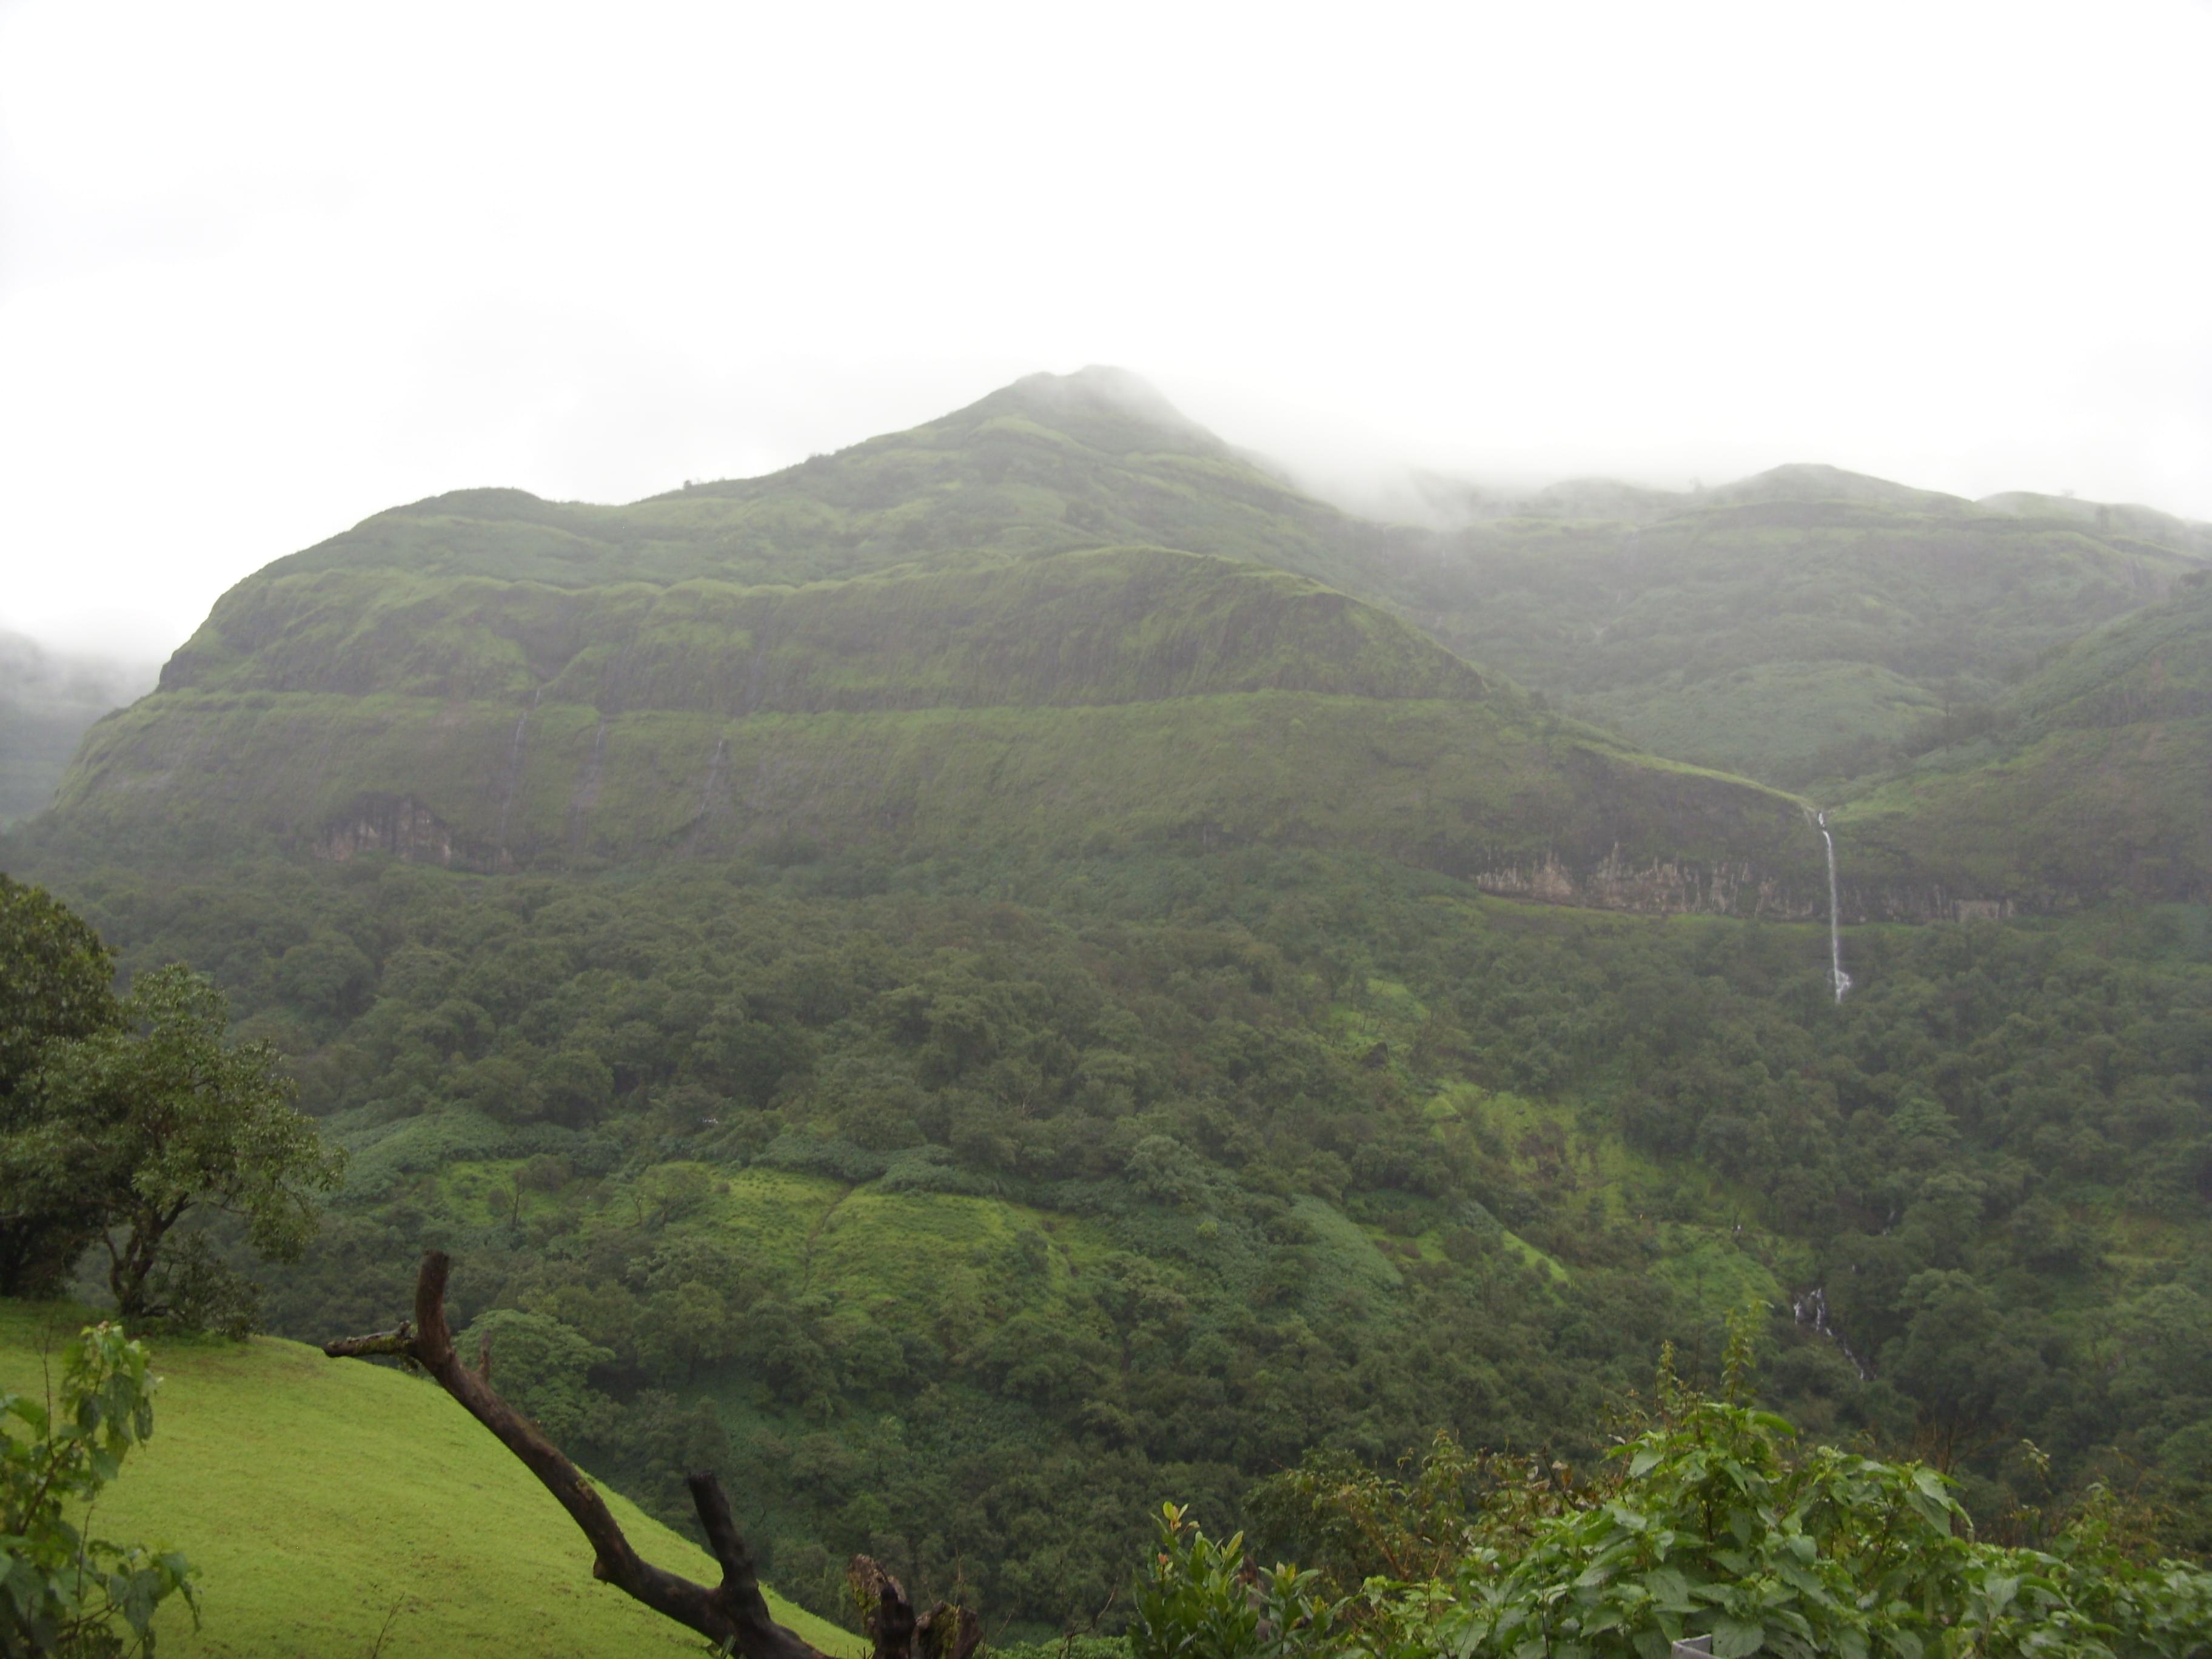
point(319, 1497)
point(960, 1211)
point(2092, 778)
point(1108, 626)
point(510, 664)
point(1047, 464)
point(1004, 976)
point(1804, 625)
point(1096, 698)
point(47, 700)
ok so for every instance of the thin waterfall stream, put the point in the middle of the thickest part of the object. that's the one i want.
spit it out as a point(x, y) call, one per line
point(1837, 976)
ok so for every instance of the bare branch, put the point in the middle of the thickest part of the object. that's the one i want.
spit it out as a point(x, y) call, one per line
point(734, 1612)
point(397, 1343)
point(944, 1632)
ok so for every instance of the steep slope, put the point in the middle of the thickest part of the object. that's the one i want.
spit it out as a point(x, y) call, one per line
point(319, 1498)
point(1049, 464)
point(47, 700)
point(2093, 777)
point(1800, 625)
point(1805, 624)
point(1006, 706)
point(1065, 616)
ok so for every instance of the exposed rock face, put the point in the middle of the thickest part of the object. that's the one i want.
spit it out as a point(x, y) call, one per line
point(1666, 887)
point(1655, 887)
point(384, 824)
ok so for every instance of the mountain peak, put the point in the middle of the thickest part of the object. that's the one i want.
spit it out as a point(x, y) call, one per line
point(1108, 408)
point(1815, 482)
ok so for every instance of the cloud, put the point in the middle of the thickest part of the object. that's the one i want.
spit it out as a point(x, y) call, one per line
point(269, 268)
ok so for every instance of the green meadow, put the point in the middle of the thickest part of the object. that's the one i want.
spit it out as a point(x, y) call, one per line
point(322, 1498)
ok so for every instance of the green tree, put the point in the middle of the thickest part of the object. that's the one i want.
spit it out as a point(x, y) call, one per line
point(1710, 1521)
point(158, 1116)
point(542, 1367)
point(61, 1591)
point(56, 985)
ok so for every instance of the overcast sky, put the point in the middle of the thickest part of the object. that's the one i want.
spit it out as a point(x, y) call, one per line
point(267, 269)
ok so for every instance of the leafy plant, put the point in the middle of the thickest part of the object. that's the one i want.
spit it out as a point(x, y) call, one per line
point(1200, 1599)
point(154, 1122)
point(63, 1591)
point(1708, 1524)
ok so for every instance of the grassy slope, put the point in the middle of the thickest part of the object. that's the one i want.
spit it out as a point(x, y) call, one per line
point(543, 683)
point(315, 1496)
point(954, 1265)
point(2095, 780)
point(1120, 693)
point(1767, 715)
point(1453, 784)
point(1047, 464)
point(1104, 626)
point(47, 703)
point(1783, 626)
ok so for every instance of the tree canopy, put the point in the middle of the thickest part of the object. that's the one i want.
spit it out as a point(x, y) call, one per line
point(125, 1116)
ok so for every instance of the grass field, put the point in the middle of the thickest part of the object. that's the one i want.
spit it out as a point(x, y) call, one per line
point(322, 1498)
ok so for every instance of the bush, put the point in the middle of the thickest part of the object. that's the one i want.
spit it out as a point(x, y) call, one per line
point(1706, 1524)
point(61, 1592)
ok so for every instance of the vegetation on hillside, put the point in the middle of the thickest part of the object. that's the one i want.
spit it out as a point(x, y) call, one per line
point(1802, 635)
point(1707, 1522)
point(47, 701)
point(120, 1117)
point(2088, 779)
point(1115, 697)
point(960, 1213)
point(964, 987)
point(1049, 464)
point(309, 1494)
point(65, 1590)
point(496, 681)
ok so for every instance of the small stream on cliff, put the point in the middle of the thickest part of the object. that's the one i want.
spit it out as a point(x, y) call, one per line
point(1837, 976)
point(1811, 1307)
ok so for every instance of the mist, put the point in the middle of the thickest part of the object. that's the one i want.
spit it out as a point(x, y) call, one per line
point(268, 272)
point(48, 697)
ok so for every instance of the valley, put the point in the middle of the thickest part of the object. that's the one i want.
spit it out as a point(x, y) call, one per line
point(1025, 969)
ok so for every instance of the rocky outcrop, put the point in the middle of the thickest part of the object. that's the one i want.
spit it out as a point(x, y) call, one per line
point(400, 825)
point(1671, 887)
point(1654, 887)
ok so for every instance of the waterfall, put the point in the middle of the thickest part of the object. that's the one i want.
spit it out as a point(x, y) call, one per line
point(1811, 1307)
point(1837, 976)
point(514, 769)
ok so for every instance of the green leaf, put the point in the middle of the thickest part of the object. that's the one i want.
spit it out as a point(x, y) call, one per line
point(1736, 1638)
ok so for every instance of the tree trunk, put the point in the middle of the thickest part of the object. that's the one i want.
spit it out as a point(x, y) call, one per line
point(128, 1268)
point(733, 1613)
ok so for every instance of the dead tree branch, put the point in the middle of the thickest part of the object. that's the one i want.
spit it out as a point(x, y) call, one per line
point(944, 1632)
point(734, 1612)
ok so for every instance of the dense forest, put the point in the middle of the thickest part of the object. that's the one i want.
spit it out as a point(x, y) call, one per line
point(965, 1210)
point(1010, 974)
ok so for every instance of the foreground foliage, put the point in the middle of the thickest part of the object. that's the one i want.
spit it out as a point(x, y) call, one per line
point(62, 1591)
point(117, 1118)
point(960, 1212)
point(1708, 1521)
point(158, 1116)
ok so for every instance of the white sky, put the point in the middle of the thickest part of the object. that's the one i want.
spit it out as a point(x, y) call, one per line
point(267, 269)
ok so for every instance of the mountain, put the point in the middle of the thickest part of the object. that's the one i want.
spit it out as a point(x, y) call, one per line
point(1800, 627)
point(47, 701)
point(917, 647)
point(1047, 464)
point(2092, 777)
point(988, 981)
